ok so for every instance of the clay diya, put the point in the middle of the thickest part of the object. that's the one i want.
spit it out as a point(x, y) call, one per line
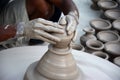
point(100, 24)
point(78, 47)
point(116, 25)
point(113, 48)
point(117, 61)
point(101, 54)
point(94, 5)
point(112, 14)
point(106, 36)
point(106, 5)
point(94, 45)
point(89, 34)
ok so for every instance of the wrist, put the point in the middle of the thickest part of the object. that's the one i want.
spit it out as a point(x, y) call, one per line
point(20, 29)
point(74, 14)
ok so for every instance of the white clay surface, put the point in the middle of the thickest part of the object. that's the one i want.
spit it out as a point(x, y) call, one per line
point(15, 61)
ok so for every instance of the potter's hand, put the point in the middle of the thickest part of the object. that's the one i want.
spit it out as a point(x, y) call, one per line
point(71, 22)
point(41, 29)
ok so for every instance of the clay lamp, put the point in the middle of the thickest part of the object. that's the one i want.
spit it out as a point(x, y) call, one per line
point(94, 45)
point(113, 48)
point(78, 47)
point(94, 5)
point(100, 24)
point(101, 54)
point(89, 34)
point(112, 14)
point(106, 36)
point(117, 61)
point(116, 25)
point(106, 5)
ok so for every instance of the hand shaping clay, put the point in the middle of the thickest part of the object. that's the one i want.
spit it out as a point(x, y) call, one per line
point(57, 63)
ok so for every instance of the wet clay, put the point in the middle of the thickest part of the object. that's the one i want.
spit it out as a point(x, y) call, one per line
point(56, 64)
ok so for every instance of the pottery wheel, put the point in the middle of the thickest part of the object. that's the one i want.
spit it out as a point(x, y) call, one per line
point(14, 63)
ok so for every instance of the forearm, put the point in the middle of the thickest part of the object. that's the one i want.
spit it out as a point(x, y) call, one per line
point(7, 32)
point(69, 6)
point(66, 6)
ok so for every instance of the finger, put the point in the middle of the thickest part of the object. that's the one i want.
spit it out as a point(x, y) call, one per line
point(62, 20)
point(75, 15)
point(44, 39)
point(71, 43)
point(71, 31)
point(41, 20)
point(69, 22)
point(55, 30)
point(48, 28)
point(58, 26)
point(5, 46)
point(47, 35)
point(72, 26)
point(75, 36)
point(50, 23)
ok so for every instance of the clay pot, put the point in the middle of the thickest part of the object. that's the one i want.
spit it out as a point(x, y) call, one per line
point(112, 14)
point(94, 45)
point(106, 5)
point(95, 4)
point(89, 34)
point(78, 47)
point(101, 54)
point(107, 36)
point(100, 24)
point(116, 25)
point(117, 61)
point(56, 64)
point(118, 1)
point(113, 48)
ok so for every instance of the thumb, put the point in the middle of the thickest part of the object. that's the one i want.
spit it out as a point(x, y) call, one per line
point(69, 22)
point(62, 20)
point(75, 36)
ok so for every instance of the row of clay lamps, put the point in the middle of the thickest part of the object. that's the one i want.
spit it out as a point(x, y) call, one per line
point(95, 5)
point(103, 38)
point(91, 44)
point(109, 8)
point(105, 44)
point(107, 30)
